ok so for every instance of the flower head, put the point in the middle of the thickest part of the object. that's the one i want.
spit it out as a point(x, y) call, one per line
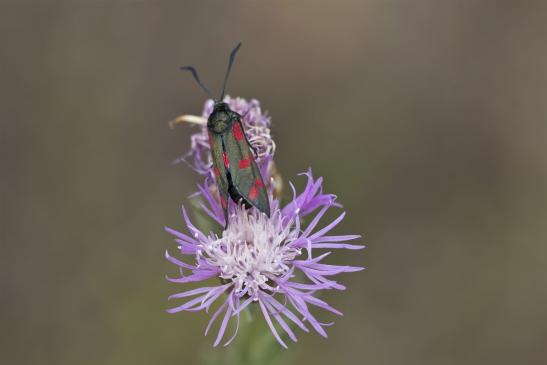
point(266, 261)
point(256, 125)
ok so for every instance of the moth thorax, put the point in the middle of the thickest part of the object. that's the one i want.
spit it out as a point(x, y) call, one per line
point(218, 121)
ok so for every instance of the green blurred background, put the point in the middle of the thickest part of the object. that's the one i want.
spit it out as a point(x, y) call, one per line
point(426, 118)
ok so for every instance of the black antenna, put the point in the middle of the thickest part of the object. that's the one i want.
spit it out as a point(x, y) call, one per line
point(196, 77)
point(230, 62)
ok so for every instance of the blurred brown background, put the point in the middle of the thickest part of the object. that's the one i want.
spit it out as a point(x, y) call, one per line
point(426, 118)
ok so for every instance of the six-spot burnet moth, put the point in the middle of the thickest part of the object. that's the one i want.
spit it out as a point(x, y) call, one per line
point(236, 172)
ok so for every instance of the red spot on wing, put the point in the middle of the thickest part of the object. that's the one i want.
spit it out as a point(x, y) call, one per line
point(245, 163)
point(217, 171)
point(238, 133)
point(223, 202)
point(226, 161)
point(258, 183)
point(253, 193)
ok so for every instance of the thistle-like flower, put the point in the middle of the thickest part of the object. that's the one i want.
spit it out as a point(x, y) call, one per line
point(256, 125)
point(275, 263)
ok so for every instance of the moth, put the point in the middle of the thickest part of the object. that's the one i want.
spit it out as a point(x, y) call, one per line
point(236, 172)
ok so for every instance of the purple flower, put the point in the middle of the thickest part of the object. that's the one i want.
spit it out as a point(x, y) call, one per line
point(256, 125)
point(274, 263)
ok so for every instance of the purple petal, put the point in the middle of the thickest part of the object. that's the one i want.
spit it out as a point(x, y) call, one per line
point(217, 212)
point(311, 199)
point(185, 248)
point(338, 245)
point(328, 239)
point(301, 306)
point(270, 324)
point(322, 269)
point(218, 311)
point(243, 305)
point(211, 214)
point(281, 321)
point(329, 227)
point(235, 333)
point(197, 276)
point(214, 296)
point(321, 304)
point(197, 232)
point(188, 245)
point(315, 220)
point(189, 293)
point(313, 287)
point(178, 262)
point(181, 236)
point(290, 315)
point(186, 306)
point(223, 325)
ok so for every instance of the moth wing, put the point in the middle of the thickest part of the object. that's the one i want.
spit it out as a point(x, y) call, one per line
point(219, 170)
point(245, 173)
